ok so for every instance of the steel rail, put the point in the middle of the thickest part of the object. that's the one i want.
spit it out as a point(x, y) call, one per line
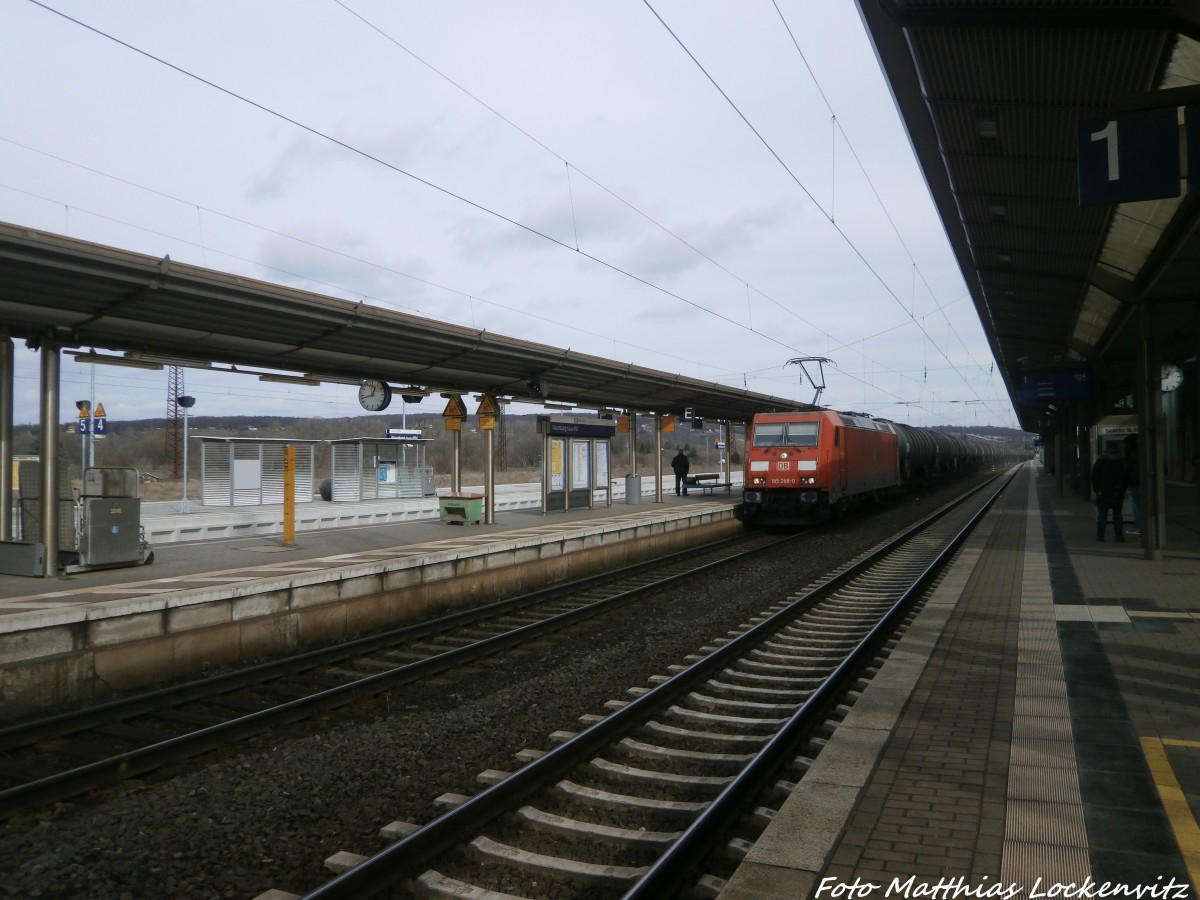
point(144, 759)
point(410, 855)
point(668, 873)
point(23, 734)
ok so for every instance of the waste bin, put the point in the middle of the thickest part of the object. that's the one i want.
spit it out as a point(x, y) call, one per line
point(633, 489)
point(461, 509)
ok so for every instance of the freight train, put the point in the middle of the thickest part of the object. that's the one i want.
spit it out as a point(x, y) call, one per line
point(807, 467)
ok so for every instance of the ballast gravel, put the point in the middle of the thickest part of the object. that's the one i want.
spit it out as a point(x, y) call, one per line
point(269, 812)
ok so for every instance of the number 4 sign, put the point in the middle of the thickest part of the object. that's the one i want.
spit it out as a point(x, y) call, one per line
point(1133, 156)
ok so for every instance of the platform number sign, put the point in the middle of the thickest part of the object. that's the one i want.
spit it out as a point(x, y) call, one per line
point(1133, 156)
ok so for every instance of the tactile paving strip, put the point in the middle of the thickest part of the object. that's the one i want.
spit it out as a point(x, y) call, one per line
point(1045, 834)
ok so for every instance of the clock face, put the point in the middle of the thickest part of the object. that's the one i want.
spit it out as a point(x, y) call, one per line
point(374, 395)
point(1172, 377)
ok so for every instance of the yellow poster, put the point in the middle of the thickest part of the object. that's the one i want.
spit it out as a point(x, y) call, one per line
point(558, 475)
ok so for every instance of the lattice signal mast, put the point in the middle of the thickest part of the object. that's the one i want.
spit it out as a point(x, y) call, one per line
point(173, 431)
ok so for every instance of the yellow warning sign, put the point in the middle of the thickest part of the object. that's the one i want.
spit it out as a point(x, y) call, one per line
point(99, 413)
point(84, 411)
point(454, 408)
point(668, 424)
point(487, 406)
point(453, 423)
point(623, 425)
point(487, 423)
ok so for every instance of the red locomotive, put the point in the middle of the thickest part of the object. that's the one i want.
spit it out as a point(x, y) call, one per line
point(805, 467)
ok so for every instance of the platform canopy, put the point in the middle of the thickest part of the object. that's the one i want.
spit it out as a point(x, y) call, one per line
point(73, 294)
point(1016, 110)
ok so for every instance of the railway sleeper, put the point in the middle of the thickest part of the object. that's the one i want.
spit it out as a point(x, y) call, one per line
point(429, 648)
point(619, 772)
point(847, 628)
point(809, 639)
point(134, 734)
point(375, 665)
point(435, 884)
point(743, 707)
point(487, 850)
point(616, 781)
point(789, 662)
point(482, 633)
point(819, 620)
point(576, 830)
point(518, 621)
point(851, 612)
point(759, 685)
point(594, 797)
point(831, 653)
point(189, 719)
point(746, 723)
point(759, 693)
point(866, 597)
point(318, 679)
point(642, 750)
point(748, 741)
point(763, 679)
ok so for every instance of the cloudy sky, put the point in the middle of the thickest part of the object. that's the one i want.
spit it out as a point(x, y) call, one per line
point(701, 187)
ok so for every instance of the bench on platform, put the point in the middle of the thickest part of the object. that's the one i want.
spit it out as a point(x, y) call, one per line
point(706, 481)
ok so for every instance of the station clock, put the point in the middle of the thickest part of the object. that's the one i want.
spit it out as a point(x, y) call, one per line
point(1172, 377)
point(374, 396)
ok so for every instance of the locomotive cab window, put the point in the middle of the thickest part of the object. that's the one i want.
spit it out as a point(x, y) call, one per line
point(785, 434)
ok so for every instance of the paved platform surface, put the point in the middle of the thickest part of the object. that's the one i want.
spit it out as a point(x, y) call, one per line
point(1039, 726)
point(178, 564)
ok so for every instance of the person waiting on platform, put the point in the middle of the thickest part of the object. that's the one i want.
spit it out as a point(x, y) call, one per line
point(1108, 481)
point(681, 465)
point(1133, 482)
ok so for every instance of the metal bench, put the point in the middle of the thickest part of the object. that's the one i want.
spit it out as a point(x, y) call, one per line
point(706, 481)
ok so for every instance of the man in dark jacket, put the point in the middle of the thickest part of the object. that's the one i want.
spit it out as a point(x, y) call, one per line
point(1133, 482)
point(1108, 481)
point(680, 464)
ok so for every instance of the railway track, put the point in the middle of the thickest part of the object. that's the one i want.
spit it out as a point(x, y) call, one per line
point(664, 793)
point(63, 756)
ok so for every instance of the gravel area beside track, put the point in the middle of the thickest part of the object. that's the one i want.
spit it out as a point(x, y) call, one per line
point(271, 811)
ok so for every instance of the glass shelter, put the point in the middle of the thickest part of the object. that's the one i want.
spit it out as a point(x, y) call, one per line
point(381, 468)
point(249, 471)
point(575, 461)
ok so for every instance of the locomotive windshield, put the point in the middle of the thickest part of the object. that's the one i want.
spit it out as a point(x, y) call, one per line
point(785, 434)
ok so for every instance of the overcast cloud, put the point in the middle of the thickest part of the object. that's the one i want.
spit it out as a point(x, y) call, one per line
point(392, 185)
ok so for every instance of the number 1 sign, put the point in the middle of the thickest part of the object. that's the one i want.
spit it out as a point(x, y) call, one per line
point(1133, 156)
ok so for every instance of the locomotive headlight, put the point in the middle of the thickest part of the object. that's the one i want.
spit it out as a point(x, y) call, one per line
point(783, 455)
point(758, 480)
point(808, 479)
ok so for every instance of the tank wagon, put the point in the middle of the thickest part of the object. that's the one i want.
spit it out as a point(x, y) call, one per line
point(806, 467)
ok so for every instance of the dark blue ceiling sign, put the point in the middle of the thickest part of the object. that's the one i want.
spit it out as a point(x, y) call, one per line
point(1132, 156)
point(1191, 131)
point(1050, 385)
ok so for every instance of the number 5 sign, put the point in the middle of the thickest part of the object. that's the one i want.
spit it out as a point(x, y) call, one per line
point(1133, 156)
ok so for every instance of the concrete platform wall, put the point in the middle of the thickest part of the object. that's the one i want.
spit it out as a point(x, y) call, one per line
point(83, 653)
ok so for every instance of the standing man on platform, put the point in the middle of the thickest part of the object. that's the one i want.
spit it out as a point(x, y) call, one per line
point(681, 465)
point(1108, 481)
point(1133, 482)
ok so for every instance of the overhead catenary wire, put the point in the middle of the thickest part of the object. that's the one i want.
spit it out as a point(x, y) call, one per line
point(315, 132)
point(828, 216)
point(632, 207)
point(595, 258)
